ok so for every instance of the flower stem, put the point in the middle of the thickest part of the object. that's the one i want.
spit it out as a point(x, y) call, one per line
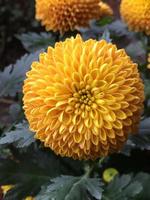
point(91, 165)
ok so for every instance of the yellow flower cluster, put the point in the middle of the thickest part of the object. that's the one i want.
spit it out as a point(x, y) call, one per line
point(136, 13)
point(6, 188)
point(83, 98)
point(65, 15)
point(148, 66)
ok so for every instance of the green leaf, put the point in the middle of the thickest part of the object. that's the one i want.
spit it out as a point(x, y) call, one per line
point(119, 28)
point(139, 141)
point(144, 179)
point(104, 21)
point(137, 51)
point(11, 79)
point(28, 172)
point(15, 111)
point(34, 41)
point(20, 137)
point(147, 88)
point(32, 168)
point(71, 188)
point(122, 188)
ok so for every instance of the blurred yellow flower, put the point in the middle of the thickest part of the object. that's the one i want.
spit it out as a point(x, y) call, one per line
point(105, 9)
point(65, 15)
point(109, 174)
point(29, 198)
point(148, 66)
point(83, 98)
point(136, 13)
point(6, 188)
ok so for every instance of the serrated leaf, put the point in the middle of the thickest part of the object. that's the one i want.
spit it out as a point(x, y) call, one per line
point(95, 189)
point(133, 189)
point(32, 168)
point(144, 179)
point(139, 141)
point(28, 173)
point(21, 137)
point(137, 51)
point(11, 79)
point(122, 188)
point(71, 188)
point(36, 41)
point(119, 28)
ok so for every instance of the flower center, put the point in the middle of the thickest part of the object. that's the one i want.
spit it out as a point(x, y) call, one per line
point(84, 99)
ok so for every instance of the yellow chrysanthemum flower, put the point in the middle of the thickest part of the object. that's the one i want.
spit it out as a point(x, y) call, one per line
point(83, 98)
point(136, 13)
point(65, 15)
point(148, 66)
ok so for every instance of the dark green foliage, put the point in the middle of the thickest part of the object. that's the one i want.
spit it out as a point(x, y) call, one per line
point(21, 137)
point(122, 188)
point(11, 79)
point(118, 28)
point(147, 88)
point(144, 179)
point(15, 17)
point(28, 173)
point(34, 41)
point(69, 188)
point(139, 141)
point(137, 52)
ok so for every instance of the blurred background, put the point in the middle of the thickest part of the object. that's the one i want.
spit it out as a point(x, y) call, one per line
point(17, 17)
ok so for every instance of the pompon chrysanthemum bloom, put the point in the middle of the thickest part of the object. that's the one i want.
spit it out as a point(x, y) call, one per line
point(65, 15)
point(83, 98)
point(136, 13)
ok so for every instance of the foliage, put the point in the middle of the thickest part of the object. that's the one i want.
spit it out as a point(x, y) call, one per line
point(34, 41)
point(15, 17)
point(147, 89)
point(21, 137)
point(144, 179)
point(11, 79)
point(122, 188)
point(28, 173)
point(69, 187)
point(139, 141)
